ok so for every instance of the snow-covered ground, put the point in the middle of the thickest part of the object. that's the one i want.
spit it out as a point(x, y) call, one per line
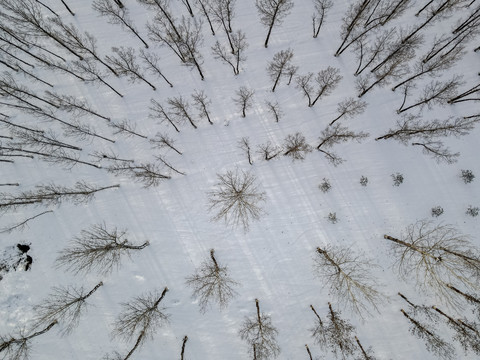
point(273, 260)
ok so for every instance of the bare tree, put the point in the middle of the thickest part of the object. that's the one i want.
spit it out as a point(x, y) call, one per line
point(21, 225)
point(321, 10)
point(326, 81)
point(437, 11)
point(432, 68)
point(337, 134)
point(279, 65)
point(180, 108)
point(184, 38)
point(212, 283)
point(151, 61)
point(393, 70)
point(140, 319)
point(97, 249)
point(348, 277)
point(272, 13)
point(274, 109)
point(296, 146)
point(82, 43)
point(349, 108)
point(260, 335)
point(335, 333)
point(88, 71)
point(164, 141)
point(65, 305)
point(19, 347)
point(438, 255)
point(400, 50)
point(365, 354)
point(124, 63)
point(269, 151)
point(239, 44)
point(411, 127)
point(466, 333)
point(158, 112)
point(463, 96)
point(350, 23)
point(428, 134)
point(244, 99)
point(433, 342)
point(236, 199)
point(147, 173)
point(202, 103)
point(51, 194)
point(222, 12)
point(436, 92)
point(67, 7)
point(469, 298)
point(27, 18)
point(204, 7)
point(445, 44)
point(116, 15)
point(10, 88)
point(72, 104)
point(125, 127)
point(244, 144)
point(184, 343)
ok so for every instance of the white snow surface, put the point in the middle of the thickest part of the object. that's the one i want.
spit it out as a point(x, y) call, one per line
point(273, 260)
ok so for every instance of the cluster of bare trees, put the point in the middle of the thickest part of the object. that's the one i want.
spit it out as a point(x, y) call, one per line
point(424, 324)
point(337, 335)
point(296, 147)
point(179, 110)
point(439, 256)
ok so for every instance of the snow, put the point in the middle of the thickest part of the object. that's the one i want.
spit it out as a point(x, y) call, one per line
point(273, 261)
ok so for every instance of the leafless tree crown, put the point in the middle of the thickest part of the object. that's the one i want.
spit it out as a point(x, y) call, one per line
point(348, 277)
point(97, 249)
point(260, 334)
point(437, 255)
point(236, 199)
point(65, 305)
point(212, 283)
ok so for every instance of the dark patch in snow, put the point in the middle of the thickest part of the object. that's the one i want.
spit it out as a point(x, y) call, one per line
point(15, 258)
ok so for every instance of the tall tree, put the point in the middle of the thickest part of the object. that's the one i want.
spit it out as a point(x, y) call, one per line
point(348, 277)
point(97, 248)
point(212, 283)
point(272, 13)
point(65, 305)
point(260, 334)
point(117, 15)
point(279, 65)
point(437, 255)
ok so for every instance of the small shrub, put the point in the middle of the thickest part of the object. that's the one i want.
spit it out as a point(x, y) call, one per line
point(467, 176)
point(363, 181)
point(325, 185)
point(397, 179)
point(437, 211)
point(332, 217)
point(472, 210)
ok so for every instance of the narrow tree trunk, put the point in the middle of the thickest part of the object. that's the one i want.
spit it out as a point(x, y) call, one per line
point(183, 347)
point(412, 247)
point(70, 11)
point(308, 351)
